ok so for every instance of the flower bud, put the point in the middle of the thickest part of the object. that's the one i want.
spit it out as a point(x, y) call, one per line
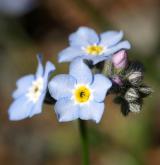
point(119, 59)
point(131, 95)
point(117, 80)
point(145, 90)
point(134, 107)
point(135, 77)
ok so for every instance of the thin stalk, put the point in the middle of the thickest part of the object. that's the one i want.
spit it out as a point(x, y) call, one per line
point(84, 141)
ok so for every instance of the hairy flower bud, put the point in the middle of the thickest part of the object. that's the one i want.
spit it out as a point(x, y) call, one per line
point(119, 59)
point(135, 77)
point(145, 90)
point(131, 95)
point(134, 107)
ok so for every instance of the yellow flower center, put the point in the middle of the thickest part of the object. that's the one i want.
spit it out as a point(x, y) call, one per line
point(94, 49)
point(82, 94)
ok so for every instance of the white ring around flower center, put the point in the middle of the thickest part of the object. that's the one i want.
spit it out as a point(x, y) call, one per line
point(35, 90)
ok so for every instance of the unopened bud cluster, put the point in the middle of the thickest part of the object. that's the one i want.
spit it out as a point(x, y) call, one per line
point(127, 77)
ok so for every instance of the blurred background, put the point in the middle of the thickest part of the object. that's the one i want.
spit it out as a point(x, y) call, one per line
point(31, 26)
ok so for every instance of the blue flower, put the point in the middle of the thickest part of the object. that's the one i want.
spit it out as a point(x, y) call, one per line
point(87, 44)
point(79, 94)
point(30, 92)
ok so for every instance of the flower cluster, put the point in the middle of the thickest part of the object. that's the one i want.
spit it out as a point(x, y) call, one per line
point(98, 66)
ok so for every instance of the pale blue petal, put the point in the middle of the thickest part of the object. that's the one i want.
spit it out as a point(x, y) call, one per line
point(38, 106)
point(49, 68)
point(94, 59)
point(20, 109)
point(98, 59)
point(100, 86)
point(61, 86)
point(39, 72)
point(69, 54)
point(110, 38)
point(122, 45)
point(22, 85)
point(83, 36)
point(80, 71)
point(66, 110)
point(91, 111)
point(25, 80)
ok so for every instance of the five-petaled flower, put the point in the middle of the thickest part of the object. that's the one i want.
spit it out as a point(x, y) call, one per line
point(30, 92)
point(79, 94)
point(85, 43)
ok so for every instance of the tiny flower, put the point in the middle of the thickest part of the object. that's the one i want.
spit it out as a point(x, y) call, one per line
point(131, 95)
point(30, 93)
point(119, 59)
point(80, 94)
point(87, 44)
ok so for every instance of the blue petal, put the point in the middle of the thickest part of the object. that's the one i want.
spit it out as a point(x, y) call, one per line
point(49, 68)
point(91, 111)
point(22, 85)
point(38, 106)
point(83, 36)
point(20, 109)
point(69, 54)
point(61, 86)
point(98, 59)
point(66, 110)
point(110, 38)
point(80, 71)
point(122, 45)
point(100, 86)
point(39, 72)
point(95, 59)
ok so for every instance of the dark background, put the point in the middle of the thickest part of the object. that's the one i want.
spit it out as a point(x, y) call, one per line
point(31, 26)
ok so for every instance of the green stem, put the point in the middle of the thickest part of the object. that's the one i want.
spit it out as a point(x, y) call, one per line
point(84, 141)
point(107, 68)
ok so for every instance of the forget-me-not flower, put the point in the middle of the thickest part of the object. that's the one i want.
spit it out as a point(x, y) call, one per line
point(79, 94)
point(86, 43)
point(30, 92)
